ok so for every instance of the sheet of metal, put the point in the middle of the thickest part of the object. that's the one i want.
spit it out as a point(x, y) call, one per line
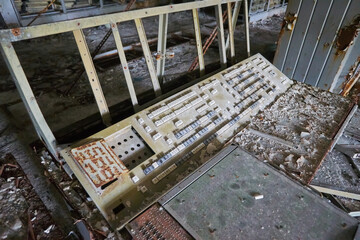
point(324, 43)
point(221, 35)
point(352, 77)
point(71, 25)
point(327, 39)
point(92, 76)
point(148, 57)
point(17, 72)
point(243, 198)
point(357, 234)
point(311, 40)
point(349, 73)
point(346, 41)
point(129, 147)
point(196, 175)
point(300, 33)
point(10, 14)
point(294, 151)
point(198, 41)
point(343, 126)
point(156, 223)
point(99, 162)
point(286, 33)
point(124, 64)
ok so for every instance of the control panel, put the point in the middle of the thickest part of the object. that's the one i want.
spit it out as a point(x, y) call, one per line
point(129, 165)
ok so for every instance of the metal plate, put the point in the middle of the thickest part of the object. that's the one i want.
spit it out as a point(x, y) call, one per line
point(99, 162)
point(129, 147)
point(155, 223)
point(222, 204)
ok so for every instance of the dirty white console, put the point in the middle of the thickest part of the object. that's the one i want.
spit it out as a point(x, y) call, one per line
point(129, 165)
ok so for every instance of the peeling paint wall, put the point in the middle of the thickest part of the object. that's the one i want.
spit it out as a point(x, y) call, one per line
point(321, 45)
point(347, 35)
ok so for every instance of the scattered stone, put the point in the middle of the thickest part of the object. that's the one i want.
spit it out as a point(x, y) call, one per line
point(258, 196)
point(17, 224)
point(304, 134)
point(301, 162)
point(51, 227)
point(300, 117)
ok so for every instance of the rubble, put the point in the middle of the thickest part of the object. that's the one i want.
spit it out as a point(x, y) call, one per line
point(21, 210)
point(293, 132)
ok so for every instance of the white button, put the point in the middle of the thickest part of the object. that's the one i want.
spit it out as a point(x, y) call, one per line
point(135, 179)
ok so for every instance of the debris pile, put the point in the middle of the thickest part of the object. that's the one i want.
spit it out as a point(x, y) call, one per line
point(83, 207)
point(297, 130)
point(22, 214)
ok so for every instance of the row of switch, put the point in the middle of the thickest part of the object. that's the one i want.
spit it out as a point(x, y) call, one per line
point(236, 71)
point(227, 125)
point(158, 111)
point(183, 159)
point(193, 125)
point(250, 98)
point(210, 84)
point(181, 99)
point(189, 141)
point(189, 154)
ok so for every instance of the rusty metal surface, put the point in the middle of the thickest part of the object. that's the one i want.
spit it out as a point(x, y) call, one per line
point(345, 54)
point(155, 223)
point(351, 78)
point(99, 162)
point(347, 34)
point(16, 31)
point(322, 45)
point(285, 34)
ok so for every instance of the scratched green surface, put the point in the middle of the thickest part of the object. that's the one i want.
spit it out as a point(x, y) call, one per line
point(220, 205)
